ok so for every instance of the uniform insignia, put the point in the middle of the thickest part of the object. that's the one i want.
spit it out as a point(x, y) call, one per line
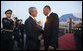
point(5, 20)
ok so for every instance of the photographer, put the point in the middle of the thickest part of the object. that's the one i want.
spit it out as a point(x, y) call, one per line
point(21, 30)
point(16, 33)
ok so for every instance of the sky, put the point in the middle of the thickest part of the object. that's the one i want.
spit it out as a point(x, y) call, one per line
point(20, 8)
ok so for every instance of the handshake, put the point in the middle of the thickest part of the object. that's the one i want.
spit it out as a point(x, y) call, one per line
point(34, 31)
point(40, 37)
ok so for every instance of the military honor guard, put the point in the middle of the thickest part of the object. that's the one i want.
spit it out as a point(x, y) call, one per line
point(7, 36)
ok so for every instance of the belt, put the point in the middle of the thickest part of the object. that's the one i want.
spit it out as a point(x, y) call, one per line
point(7, 30)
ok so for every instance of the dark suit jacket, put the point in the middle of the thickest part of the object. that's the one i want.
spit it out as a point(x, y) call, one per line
point(51, 31)
point(32, 31)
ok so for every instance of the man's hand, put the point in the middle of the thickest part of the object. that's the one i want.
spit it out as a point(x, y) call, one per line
point(14, 21)
point(40, 37)
point(50, 48)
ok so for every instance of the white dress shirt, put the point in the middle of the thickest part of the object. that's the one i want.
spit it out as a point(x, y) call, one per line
point(45, 19)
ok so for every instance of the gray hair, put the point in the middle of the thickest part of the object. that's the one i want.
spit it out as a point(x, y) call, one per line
point(30, 9)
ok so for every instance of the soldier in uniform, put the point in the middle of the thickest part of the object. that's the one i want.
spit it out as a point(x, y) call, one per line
point(7, 32)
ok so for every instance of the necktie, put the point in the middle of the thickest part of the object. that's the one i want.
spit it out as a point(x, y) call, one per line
point(35, 20)
point(45, 24)
point(46, 19)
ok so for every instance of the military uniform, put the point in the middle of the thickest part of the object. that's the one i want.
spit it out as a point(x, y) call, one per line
point(7, 34)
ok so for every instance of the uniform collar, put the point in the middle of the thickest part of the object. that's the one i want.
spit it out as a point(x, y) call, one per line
point(9, 18)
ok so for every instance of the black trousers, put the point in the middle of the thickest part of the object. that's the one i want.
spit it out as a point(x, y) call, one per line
point(47, 46)
point(6, 45)
point(6, 42)
point(32, 45)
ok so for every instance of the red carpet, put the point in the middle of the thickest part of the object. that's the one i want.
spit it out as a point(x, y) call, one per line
point(66, 42)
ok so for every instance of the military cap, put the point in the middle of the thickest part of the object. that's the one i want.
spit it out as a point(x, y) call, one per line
point(8, 11)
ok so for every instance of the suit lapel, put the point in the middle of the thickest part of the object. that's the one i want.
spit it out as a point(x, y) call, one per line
point(31, 20)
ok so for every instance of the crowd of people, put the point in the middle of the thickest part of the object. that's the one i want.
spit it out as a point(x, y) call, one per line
point(13, 31)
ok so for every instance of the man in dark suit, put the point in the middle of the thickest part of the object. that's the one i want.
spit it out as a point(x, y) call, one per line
point(51, 29)
point(32, 30)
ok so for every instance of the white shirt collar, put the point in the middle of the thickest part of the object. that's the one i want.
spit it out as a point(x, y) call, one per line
point(32, 17)
point(49, 14)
